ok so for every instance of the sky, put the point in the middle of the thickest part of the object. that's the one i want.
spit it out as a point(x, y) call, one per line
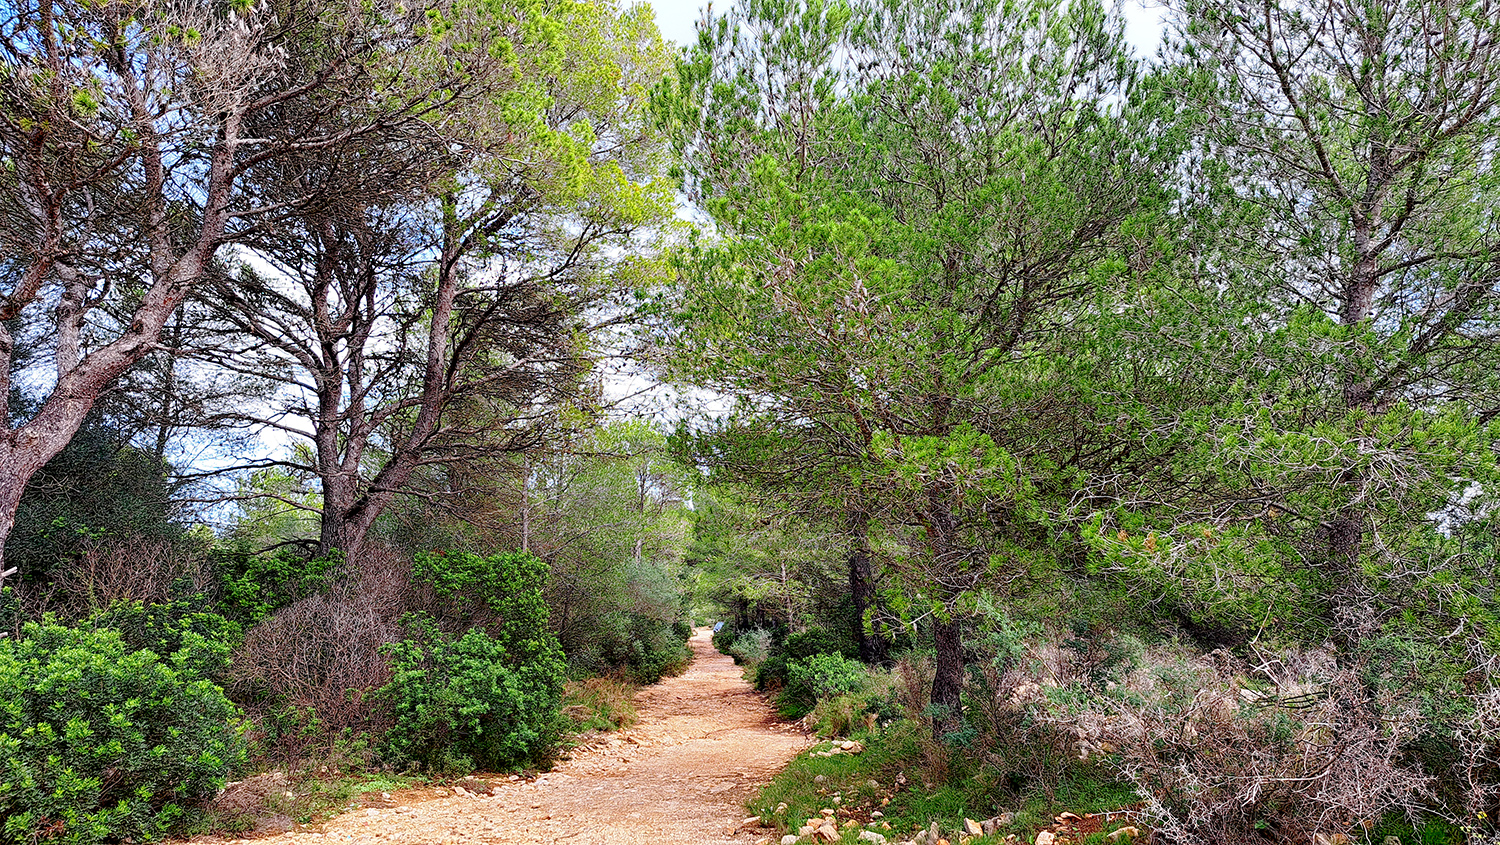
point(675, 18)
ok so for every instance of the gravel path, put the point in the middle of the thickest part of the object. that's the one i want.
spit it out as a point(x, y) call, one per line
point(704, 744)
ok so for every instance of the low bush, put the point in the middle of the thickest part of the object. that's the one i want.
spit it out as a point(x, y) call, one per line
point(773, 672)
point(307, 673)
point(644, 648)
point(751, 648)
point(101, 742)
point(1217, 761)
point(724, 638)
point(819, 677)
point(857, 711)
point(468, 701)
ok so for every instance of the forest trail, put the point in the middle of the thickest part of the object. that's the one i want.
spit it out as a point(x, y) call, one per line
point(705, 743)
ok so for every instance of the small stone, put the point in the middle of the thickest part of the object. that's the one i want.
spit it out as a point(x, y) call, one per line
point(1125, 833)
point(873, 784)
point(826, 812)
point(877, 815)
point(753, 821)
point(872, 837)
point(1046, 837)
point(932, 833)
point(1392, 840)
point(828, 833)
point(781, 808)
point(460, 790)
point(851, 824)
point(820, 779)
point(971, 828)
point(789, 839)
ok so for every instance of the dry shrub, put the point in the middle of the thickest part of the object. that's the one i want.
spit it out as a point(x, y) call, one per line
point(150, 570)
point(1216, 761)
point(1475, 774)
point(914, 694)
point(322, 654)
point(254, 805)
point(1008, 734)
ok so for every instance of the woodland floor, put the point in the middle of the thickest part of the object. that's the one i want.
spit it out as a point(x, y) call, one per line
point(704, 744)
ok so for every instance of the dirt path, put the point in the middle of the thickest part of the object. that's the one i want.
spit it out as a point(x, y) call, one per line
point(704, 744)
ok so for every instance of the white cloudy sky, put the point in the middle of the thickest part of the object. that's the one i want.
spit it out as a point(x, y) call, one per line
point(676, 19)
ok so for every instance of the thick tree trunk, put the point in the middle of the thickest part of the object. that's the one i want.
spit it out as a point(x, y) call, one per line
point(872, 648)
point(948, 678)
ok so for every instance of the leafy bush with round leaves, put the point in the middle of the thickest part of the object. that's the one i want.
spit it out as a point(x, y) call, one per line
point(100, 742)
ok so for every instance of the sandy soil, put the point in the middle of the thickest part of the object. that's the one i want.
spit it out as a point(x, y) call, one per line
point(704, 744)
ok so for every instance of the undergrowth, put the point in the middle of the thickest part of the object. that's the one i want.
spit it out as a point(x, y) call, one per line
point(888, 778)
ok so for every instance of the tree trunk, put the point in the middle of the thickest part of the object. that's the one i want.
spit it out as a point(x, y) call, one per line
point(872, 648)
point(948, 678)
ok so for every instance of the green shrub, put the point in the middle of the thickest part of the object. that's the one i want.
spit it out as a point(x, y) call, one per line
point(176, 631)
point(99, 742)
point(466, 701)
point(723, 638)
point(652, 650)
point(818, 677)
point(772, 673)
point(490, 696)
point(254, 585)
point(752, 648)
point(639, 646)
point(501, 592)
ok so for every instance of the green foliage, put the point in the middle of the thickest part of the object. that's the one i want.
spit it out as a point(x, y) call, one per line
point(724, 639)
point(811, 679)
point(489, 696)
point(751, 648)
point(503, 591)
point(193, 641)
point(254, 586)
point(99, 742)
point(97, 487)
point(469, 701)
point(775, 672)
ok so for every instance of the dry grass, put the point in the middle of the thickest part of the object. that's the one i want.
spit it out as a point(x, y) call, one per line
point(600, 704)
